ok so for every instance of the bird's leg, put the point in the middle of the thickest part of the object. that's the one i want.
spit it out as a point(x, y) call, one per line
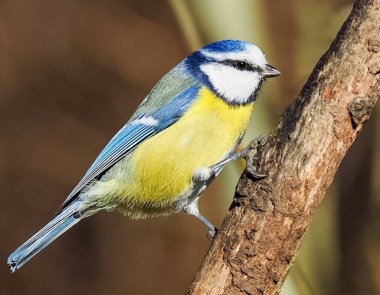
point(203, 174)
point(193, 209)
point(245, 153)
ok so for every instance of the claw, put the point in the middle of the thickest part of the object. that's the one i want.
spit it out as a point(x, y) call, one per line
point(253, 146)
point(260, 140)
point(212, 233)
point(252, 172)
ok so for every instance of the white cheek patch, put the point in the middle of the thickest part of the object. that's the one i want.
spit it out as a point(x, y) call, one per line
point(234, 85)
point(148, 121)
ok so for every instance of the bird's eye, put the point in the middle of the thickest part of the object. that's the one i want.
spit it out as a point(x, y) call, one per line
point(241, 65)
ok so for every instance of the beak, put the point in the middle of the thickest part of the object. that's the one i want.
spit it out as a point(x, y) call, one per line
point(269, 72)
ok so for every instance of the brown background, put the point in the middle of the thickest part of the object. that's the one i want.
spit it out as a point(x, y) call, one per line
point(72, 72)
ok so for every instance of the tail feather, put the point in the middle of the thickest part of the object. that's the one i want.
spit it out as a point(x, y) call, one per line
point(61, 223)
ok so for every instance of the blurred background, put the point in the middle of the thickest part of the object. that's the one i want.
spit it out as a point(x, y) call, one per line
point(72, 72)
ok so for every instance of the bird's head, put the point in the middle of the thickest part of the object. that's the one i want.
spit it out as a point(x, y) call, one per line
point(233, 69)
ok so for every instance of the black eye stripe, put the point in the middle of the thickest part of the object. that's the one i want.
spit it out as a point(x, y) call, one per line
point(241, 65)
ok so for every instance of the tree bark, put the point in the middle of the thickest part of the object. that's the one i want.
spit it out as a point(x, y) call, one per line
point(258, 240)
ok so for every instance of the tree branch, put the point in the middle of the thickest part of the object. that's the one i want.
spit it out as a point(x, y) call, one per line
point(261, 233)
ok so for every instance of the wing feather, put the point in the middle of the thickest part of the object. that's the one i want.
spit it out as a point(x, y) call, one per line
point(133, 133)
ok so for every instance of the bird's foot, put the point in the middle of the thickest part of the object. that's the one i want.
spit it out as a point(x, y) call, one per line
point(212, 233)
point(192, 209)
point(249, 152)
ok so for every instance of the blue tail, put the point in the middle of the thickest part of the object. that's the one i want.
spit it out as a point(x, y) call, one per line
point(61, 223)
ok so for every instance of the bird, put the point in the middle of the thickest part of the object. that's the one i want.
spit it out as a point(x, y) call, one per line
point(178, 140)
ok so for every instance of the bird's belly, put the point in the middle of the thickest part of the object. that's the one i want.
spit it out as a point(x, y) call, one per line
point(165, 163)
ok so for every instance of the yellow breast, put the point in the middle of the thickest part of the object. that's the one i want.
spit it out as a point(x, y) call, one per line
point(164, 164)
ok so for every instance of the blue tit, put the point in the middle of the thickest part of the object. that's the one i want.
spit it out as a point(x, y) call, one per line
point(178, 140)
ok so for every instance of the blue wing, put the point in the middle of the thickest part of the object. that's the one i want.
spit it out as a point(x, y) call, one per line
point(132, 134)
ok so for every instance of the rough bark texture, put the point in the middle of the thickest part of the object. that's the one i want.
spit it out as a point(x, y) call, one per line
point(260, 235)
